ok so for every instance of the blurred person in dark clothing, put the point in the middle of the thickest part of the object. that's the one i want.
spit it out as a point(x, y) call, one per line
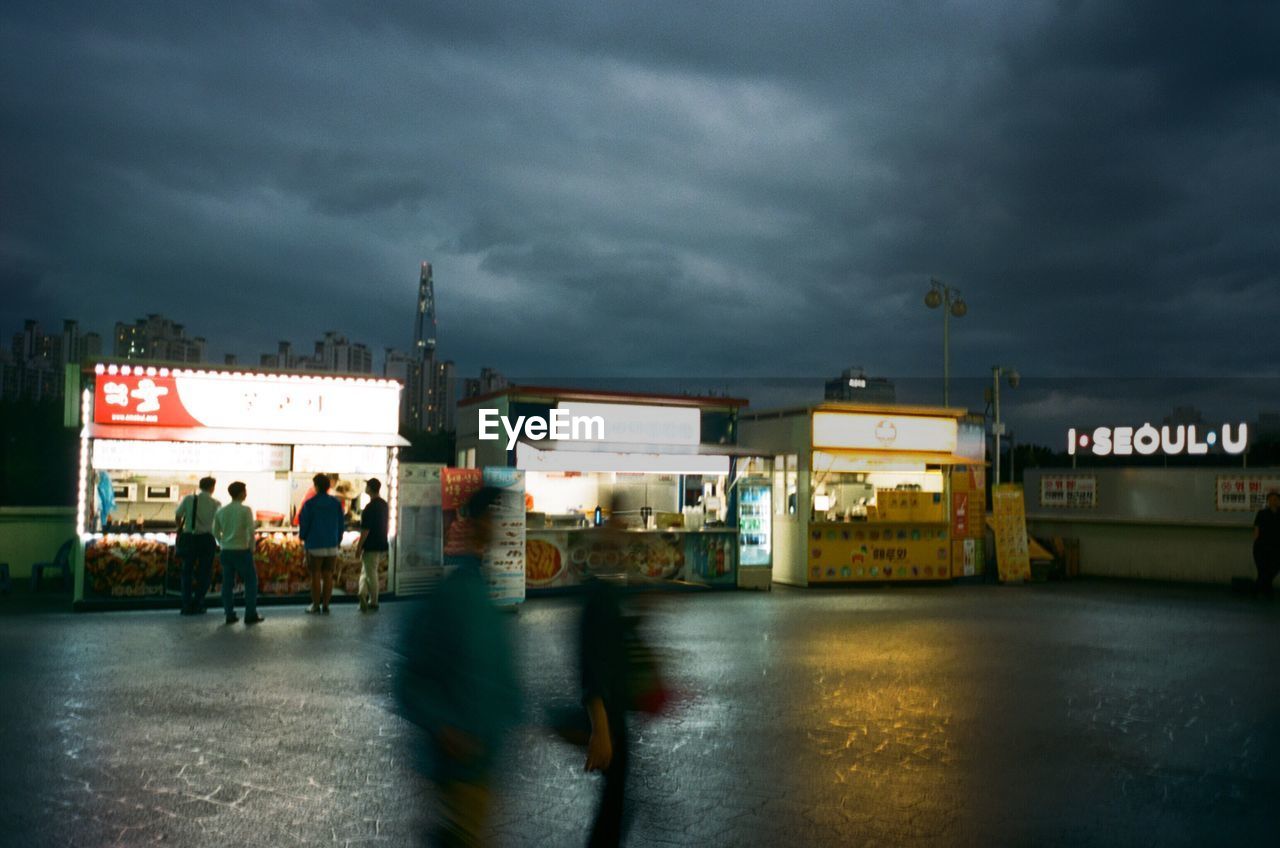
point(602, 651)
point(1266, 543)
point(458, 683)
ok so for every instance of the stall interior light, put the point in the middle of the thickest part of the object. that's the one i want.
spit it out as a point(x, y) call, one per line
point(82, 501)
point(393, 492)
point(152, 371)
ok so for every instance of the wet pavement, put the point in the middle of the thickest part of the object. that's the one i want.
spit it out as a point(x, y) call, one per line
point(1064, 714)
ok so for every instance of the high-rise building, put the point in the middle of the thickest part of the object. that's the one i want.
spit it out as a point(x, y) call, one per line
point(424, 333)
point(427, 392)
point(334, 352)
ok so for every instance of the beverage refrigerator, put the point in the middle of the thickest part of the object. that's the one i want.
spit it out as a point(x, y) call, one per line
point(755, 533)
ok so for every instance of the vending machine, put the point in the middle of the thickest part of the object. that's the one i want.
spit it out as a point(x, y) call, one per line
point(755, 533)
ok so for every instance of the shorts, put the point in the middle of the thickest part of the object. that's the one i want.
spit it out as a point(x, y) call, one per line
point(321, 564)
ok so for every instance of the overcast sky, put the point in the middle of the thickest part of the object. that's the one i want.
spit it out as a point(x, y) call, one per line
point(737, 188)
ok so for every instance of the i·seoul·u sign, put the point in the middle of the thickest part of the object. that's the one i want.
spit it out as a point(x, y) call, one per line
point(1148, 440)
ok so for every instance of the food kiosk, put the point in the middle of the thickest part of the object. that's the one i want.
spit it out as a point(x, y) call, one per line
point(149, 432)
point(647, 486)
point(868, 493)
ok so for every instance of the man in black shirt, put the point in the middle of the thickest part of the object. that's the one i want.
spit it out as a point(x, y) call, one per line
point(1266, 543)
point(372, 546)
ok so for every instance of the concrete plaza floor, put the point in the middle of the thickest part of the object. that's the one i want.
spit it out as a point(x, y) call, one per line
point(1062, 714)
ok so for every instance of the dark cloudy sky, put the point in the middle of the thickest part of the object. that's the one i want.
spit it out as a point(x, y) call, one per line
point(660, 187)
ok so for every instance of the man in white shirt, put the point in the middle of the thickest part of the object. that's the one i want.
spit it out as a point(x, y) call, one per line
point(233, 526)
point(196, 547)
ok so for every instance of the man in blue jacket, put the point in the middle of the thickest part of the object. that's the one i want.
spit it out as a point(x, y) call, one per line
point(320, 525)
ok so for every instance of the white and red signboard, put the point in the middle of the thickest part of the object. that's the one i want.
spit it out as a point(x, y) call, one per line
point(1072, 491)
point(1245, 492)
point(211, 399)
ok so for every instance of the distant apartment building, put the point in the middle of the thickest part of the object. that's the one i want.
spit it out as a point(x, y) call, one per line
point(488, 381)
point(158, 339)
point(34, 367)
point(334, 352)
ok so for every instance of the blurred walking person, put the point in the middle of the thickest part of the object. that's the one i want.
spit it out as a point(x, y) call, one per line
point(233, 527)
point(605, 666)
point(372, 547)
point(196, 545)
point(458, 683)
point(1266, 544)
point(320, 525)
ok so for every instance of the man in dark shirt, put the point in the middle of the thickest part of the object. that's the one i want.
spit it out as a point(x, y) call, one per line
point(372, 546)
point(1266, 543)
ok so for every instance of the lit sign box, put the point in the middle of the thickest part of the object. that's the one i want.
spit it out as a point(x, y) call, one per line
point(641, 424)
point(118, 455)
point(340, 458)
point(529, 458)
point(153, 397)
point(864, 431)
point(1167, 440)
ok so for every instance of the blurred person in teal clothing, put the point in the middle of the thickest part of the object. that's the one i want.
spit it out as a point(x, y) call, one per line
point(458, 683)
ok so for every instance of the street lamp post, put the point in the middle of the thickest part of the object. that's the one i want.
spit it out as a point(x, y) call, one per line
point(997, 426)
point(952, 304)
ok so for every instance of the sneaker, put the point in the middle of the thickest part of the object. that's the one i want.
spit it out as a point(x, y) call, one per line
point(325, 609)
point(233, 618)
point(364, 604)
point(373, 607)
point(313, 608)
point(254, 619)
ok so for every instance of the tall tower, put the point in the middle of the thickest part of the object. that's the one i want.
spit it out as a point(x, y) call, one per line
point(424, 334)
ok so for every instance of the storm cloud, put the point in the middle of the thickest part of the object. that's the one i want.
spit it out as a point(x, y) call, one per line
point(641, 189)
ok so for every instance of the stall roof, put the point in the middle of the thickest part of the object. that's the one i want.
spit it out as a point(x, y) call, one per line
point(242, 436)
point(868, 408)
point(568, 445)
point(701, 401)
point(927, 457)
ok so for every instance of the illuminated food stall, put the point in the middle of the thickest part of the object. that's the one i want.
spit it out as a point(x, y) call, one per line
point(658, 469)
point(150, 432)
point(865, 493)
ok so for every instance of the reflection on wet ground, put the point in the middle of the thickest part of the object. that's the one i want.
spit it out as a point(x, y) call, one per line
point(1065, 714)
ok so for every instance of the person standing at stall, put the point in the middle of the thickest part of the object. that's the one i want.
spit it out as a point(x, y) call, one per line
point(320, 523)
point(373, 545)
point(1266, 543)
point(196, 545)
point(233, 527)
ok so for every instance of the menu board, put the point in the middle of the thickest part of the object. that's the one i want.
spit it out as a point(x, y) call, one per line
point(1244, 492)
point(1010, 518)
point(1074, 491)
point(504, 560)
point(865, 551)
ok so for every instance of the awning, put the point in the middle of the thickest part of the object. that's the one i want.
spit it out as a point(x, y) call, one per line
point(242, 436)
point(584, 456)
point(834, 459)
point(591, 446)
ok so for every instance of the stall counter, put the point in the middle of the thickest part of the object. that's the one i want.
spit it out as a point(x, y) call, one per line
point(563, 558)
point(853, 551)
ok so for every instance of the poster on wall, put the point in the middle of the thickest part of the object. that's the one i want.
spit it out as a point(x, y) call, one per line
point(419, 538)
point(1010, 519)
point(1071, 491)
point(1244, 492)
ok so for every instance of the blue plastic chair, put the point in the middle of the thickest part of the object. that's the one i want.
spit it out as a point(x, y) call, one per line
point(61, 562)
